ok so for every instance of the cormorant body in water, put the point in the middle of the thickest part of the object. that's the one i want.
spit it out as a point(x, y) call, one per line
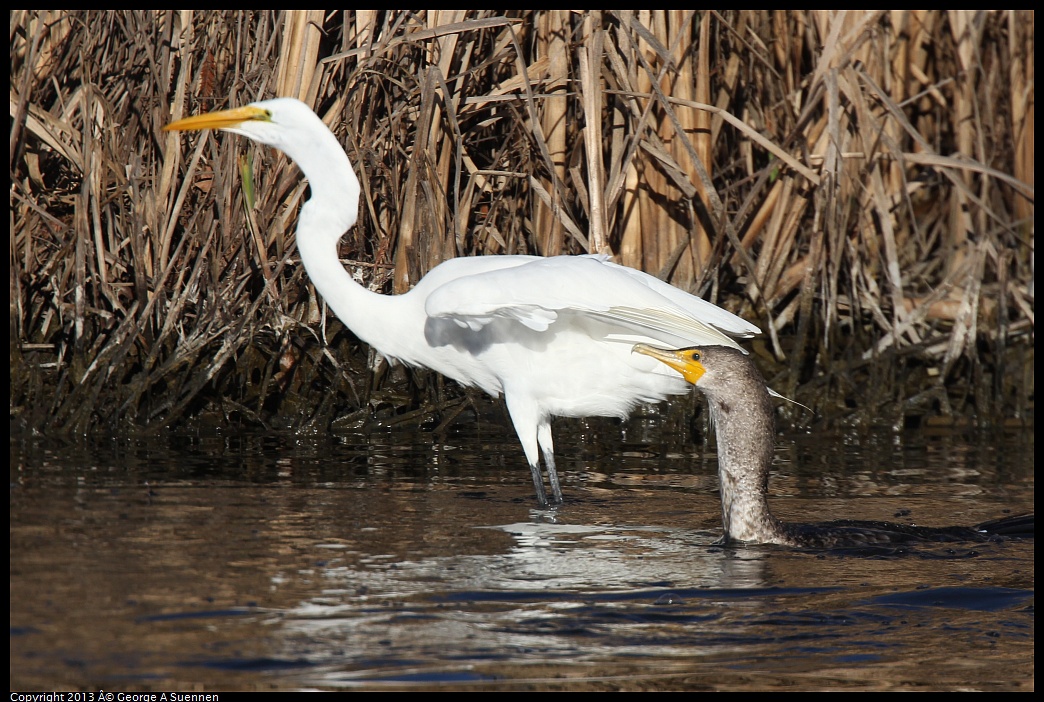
point(741, 412)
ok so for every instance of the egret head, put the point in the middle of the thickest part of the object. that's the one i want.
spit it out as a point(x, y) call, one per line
point(292, 127)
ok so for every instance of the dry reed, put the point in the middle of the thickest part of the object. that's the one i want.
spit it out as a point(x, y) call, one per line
point(859, 183)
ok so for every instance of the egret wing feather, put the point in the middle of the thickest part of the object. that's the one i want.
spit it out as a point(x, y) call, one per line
point(665, 325)
point(697, 307)
point(537, 292)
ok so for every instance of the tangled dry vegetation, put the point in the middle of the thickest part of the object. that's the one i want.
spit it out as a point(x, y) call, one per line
point(858, 183)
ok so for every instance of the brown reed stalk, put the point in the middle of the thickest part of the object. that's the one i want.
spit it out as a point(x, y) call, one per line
point(859, 182)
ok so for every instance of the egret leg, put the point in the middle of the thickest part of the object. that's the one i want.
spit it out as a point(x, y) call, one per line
point(552, 477)
point(547, 447)
point(535, 435)
point(538, 483)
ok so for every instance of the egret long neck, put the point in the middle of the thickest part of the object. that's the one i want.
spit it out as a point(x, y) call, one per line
point(362, 311)
point(324, 219)
point(745, 432)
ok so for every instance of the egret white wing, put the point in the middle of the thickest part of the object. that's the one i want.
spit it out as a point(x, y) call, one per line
point(537, 292)
point(710, 313)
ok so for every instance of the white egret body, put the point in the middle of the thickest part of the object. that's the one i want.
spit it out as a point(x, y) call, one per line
point(552, 335)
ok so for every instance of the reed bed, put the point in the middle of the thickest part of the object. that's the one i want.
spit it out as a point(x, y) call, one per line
point(858, 183)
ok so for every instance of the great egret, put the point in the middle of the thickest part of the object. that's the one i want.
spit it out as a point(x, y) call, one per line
point(553, 335)
point(741, 412)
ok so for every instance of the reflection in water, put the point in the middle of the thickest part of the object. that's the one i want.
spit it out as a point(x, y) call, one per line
point(395, 561)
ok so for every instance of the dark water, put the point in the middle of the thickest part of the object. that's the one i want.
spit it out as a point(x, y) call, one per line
point(404, 559)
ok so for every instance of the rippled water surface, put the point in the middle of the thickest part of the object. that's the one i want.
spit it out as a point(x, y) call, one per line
point(405, 559)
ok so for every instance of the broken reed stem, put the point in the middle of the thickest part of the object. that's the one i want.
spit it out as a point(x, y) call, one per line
point(814, 169)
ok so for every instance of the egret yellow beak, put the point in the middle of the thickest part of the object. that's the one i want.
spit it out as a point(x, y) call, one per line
point(685, 361)
point(222, 119)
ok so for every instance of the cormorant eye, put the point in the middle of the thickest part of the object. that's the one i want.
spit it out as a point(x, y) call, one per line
point(695, 355)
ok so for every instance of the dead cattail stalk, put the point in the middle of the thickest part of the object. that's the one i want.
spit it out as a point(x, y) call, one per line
point(860, 181)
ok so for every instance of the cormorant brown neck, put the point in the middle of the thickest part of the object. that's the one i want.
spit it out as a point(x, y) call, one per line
point(742, 414)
